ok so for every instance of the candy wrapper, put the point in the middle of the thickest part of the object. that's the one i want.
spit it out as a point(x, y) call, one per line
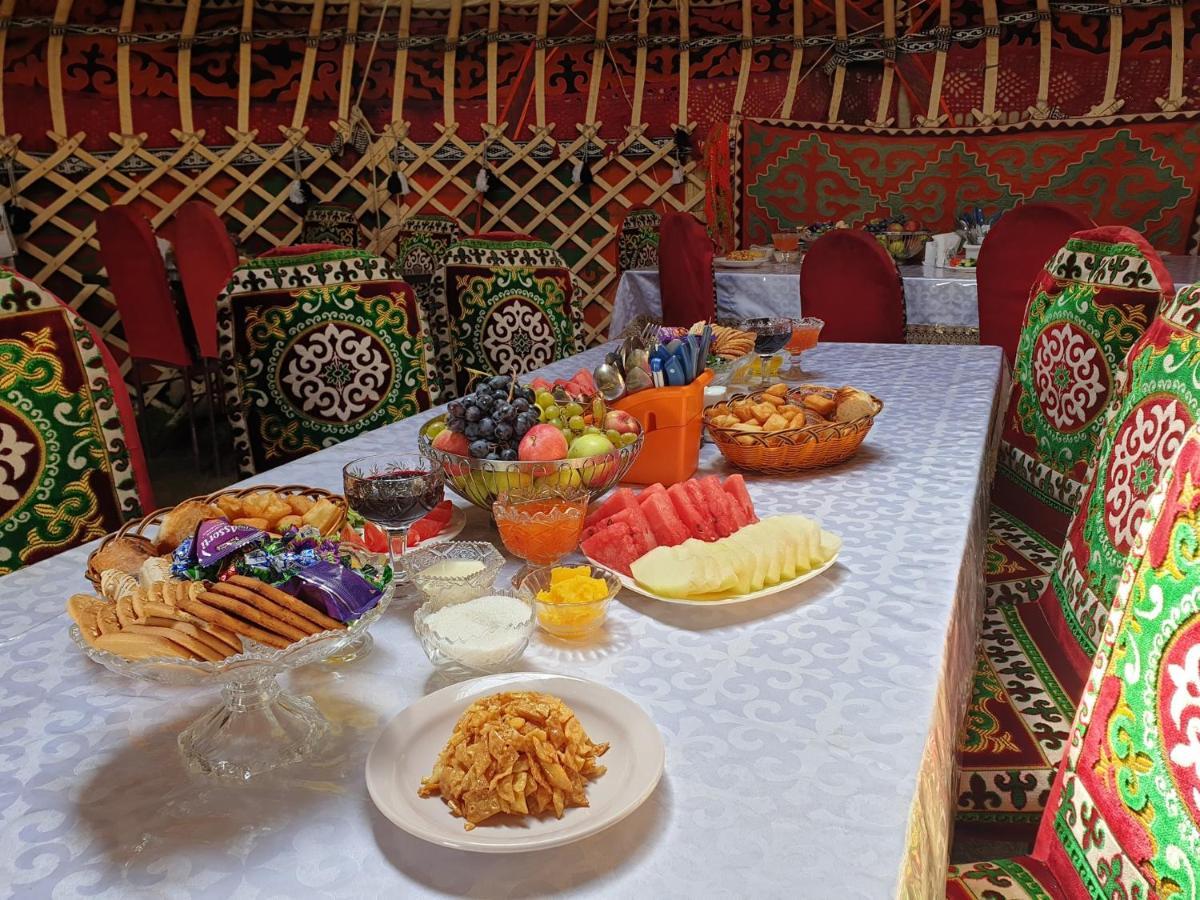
point(340, 592)
point(276, 560)
point(211, 548)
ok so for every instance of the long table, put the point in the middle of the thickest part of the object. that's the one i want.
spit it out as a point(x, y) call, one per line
point(809, 735)
point(936, 299)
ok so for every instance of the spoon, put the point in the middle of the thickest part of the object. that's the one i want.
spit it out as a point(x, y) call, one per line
point(638, 380)
point(609, 381)
point(614, 361)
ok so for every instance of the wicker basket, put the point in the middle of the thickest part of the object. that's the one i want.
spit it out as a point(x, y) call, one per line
point(150, 523)
point(790, 451)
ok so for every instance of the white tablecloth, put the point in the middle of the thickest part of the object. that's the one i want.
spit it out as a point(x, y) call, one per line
point(809, 735)
point(932, 296)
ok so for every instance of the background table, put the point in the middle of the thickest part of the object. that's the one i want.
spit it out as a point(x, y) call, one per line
point(934, 298)
point(809, 735)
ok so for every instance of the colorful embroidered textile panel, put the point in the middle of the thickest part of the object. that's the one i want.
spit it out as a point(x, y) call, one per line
point(509, 302)
point(329, 223)
point(71, 466)
point(1092, 301)
point(1144, 175)
point(421, 248)
point(316, 349)
point(637, 239)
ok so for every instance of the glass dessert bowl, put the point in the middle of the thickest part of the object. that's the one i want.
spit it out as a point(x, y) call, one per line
point(541, 525)
point(476, 635)
point(571, 601)
point(454, 570)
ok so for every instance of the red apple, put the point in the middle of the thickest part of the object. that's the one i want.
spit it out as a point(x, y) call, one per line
point(452, 442)
point(912, 225)
point(621, 422)
point(543, 442)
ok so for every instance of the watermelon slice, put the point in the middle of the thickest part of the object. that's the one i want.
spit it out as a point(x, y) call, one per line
point(720, 504)
point(652, 491)
point(612, 547)
point(701, 527)
point(735, 486)
point(584, 379)
point(702, 503)
point(620, 499)
point(668, 528)
point(638, 525)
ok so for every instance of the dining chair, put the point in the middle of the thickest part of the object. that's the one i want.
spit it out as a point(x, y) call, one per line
point(1122, 815)
point(637, 239)
point(851, 282)
point(509, 298)
point(205, 257)
point(316, 348)
point(137, 277)
point(1012, 255)
point(330, 223)
point(686, 280)
point(1032, 658)
point(422, 243)
point(71, 462)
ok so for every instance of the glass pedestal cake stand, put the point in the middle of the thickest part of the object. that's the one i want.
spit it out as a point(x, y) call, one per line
point(257, 726)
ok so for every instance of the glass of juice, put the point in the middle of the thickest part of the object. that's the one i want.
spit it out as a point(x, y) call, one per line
point(786, 244)
point(770, 336)
point(805, 334)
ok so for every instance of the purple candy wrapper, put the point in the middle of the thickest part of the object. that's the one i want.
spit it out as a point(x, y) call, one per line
point(340, 592)
point(217, 539)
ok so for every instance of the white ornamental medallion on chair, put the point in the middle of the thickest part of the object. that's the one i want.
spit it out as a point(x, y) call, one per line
point(1070, 376)
point(1146, 441)
point(335, 372)
point(517, 337)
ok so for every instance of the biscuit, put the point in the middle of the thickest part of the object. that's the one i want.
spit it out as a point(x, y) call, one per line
point(262, 604)
point(253, 615)
point(140, 646)
point(181, 523)
point(197, 648)
point(125, 553)
point(287, 601)
point(82, 608)
point(221, 618)
point(126, 614)
point(114, 583)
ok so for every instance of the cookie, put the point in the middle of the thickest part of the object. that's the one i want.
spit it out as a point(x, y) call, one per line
point(260, 602)
point(140, 646)
point(287, 601)
point(219, 617)
point(251, 614)
point(126, 554)
point(83, 610)
point(114, 583)
point(197, 648)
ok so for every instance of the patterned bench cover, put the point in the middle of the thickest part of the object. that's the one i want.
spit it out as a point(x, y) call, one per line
point(421, 248)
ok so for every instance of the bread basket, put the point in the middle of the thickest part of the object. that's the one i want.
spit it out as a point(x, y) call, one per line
point(791, 450)
point(147, 526)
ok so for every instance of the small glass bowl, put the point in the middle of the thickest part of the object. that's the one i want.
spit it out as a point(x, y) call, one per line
point(417, 563)
point(569, 621)
point(463, 658)
point(541, 525)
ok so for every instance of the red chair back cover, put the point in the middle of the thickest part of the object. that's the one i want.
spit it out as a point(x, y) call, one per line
point(685, 270)
point(137, 277)
point(849, 280)
point(1010, 259)
point(1094, 298)
point(1123, 818)
point(206, 258)
point(71, 462)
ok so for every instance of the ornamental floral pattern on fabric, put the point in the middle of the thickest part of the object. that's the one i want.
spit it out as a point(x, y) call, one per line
point(637, 240)
point(421, 248)
point(308, 368)
point(66, 474)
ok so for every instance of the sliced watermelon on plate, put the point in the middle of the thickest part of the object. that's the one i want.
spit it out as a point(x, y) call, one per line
point(735, 486)
point(701, 527)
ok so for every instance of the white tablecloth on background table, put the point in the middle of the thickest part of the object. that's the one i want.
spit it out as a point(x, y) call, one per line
point(810, 735)
point(932, 296)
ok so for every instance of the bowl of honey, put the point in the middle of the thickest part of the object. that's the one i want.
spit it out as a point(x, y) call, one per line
point(541, 524)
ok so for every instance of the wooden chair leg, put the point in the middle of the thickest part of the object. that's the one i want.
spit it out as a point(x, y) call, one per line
point(191, 412)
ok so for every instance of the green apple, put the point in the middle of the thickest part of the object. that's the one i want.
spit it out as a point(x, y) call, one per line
point(589, 445)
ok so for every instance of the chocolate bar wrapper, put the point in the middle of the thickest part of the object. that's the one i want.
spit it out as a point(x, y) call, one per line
point(339, 592)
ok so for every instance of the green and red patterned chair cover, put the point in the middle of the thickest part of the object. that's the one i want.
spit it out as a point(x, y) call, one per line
point(1092, 300)
point(509, 300)
point(421, 248)
point(317, 347)
point(1033, 657)
point(71, 463)
point(1123, 817)
point(637, 239)
point(330, 223)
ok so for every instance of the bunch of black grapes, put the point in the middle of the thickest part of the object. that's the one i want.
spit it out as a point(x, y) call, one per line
point(494, 417)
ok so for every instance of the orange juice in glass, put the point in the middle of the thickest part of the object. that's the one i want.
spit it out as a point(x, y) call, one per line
point(786, 244)
point(805, 334)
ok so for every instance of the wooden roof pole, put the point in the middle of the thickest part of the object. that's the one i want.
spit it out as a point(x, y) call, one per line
point(245, 66)
point(539, 65)
point(1175, 100)
point(685, 59)
point(183, 67)
point(882, 119)
point(124, 88)
point(1110, 104)
point(597, 62)
point(839, 74)
point(991, 72)
point(400, 76)
point(6, 11)
point(933, 118)
point(1041, 107)
point(449, 61)
point(349, 45)
point(739, 96)
point(493, 50)
point(789, 97)
point(639, 75)
point(58, 112)
point(310, 62)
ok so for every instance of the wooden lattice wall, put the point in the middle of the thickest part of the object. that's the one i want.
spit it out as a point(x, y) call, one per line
point(118, 103)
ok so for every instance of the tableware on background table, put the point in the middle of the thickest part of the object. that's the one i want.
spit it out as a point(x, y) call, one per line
point(770, 336)
point(540, 525)
point(570, 621)
point(786, 245)
point(474, 645)
point(431, 569)
point(806, 332)
point(791, 450)
point(410, 743)
point(609, 381)
point(256, 726)
point(726, 262)
point(480, 481)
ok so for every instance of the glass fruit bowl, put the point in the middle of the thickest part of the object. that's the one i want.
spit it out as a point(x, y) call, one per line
point(541, 524)
point(423, 565)
point(256, 726)
point(481, 481)
point(495, 651)
point(569, 621)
